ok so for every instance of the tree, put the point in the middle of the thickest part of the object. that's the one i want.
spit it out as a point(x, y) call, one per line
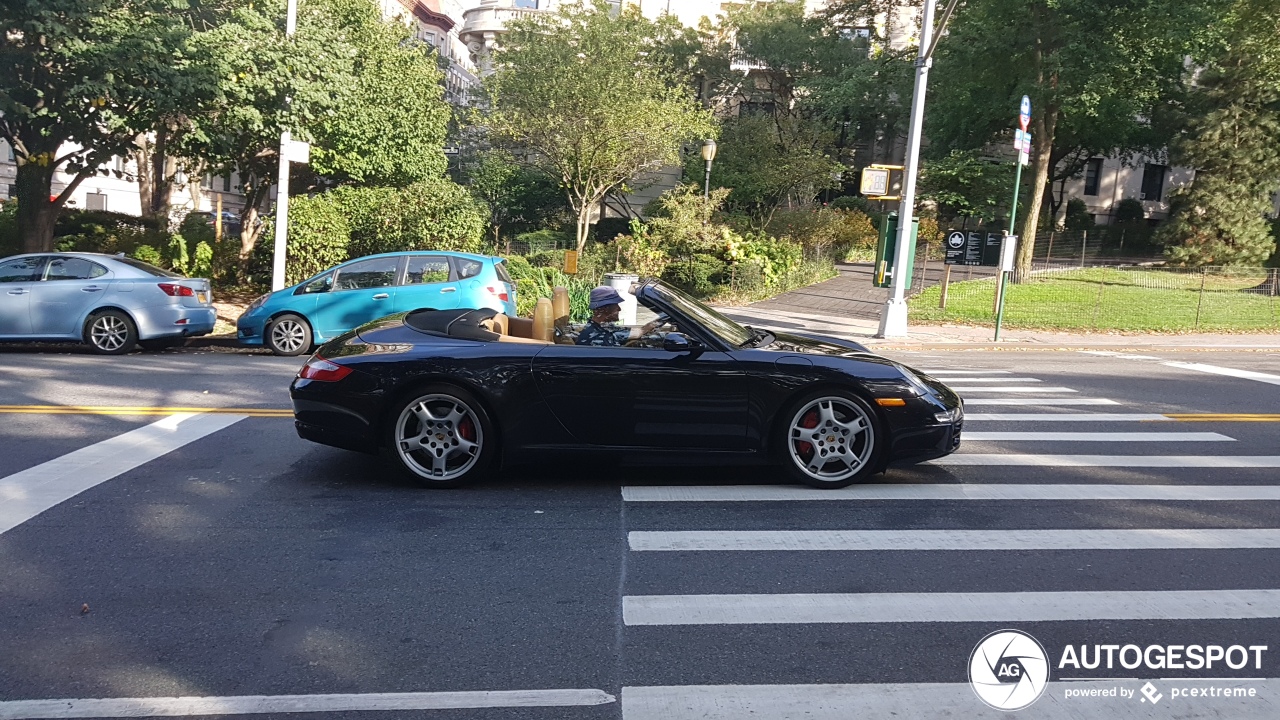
point(354, 85)
point(81, 80)
point(514, 194)
point(1098, 73)
point(1234, 144)
point(965, 183)
point(589, 95)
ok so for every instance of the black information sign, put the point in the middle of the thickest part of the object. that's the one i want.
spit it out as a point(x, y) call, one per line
point(972, 248)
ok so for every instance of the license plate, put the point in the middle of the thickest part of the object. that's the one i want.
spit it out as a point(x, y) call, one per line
point(202, 297)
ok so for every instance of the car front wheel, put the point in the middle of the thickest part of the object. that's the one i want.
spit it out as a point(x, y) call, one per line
point(831, 439)
point(110, 332)
point(442, 436)
point(288, 335)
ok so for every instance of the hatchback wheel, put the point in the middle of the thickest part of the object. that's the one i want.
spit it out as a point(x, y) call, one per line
point(442, 436)
point(110, 332)
point(831, 439)
point(288, 335)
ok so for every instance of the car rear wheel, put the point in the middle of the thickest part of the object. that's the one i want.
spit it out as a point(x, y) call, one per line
point(831, 439)
point(110, 332)
point(288, 335)
point(442, 436)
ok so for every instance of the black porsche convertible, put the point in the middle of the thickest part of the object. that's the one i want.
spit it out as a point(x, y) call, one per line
point(454, 393)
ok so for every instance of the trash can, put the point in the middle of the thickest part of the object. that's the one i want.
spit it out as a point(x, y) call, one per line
point(622, 282)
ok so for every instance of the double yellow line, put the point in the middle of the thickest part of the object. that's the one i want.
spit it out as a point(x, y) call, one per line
point(138, 410)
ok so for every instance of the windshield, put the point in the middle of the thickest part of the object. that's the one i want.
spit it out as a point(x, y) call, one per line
point(723, 328)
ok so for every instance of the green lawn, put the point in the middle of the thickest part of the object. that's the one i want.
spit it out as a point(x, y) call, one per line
point(1111, 299)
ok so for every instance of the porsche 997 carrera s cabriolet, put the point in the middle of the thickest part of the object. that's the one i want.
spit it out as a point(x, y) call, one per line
point(452, 394)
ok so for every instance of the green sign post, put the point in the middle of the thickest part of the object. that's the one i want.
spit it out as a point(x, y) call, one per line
point(1022, 142)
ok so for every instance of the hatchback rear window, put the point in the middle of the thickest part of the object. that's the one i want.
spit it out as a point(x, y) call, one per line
point(501, 267)
point(147, 268)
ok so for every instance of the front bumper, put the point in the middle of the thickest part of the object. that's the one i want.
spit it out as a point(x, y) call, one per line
point(249, 330)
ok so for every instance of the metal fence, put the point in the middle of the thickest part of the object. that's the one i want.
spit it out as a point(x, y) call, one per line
point(1060, 294)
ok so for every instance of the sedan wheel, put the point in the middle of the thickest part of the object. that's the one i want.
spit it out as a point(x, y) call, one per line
point(831, 440)
point(288, 335)
point(110, 332)
point(442, 437)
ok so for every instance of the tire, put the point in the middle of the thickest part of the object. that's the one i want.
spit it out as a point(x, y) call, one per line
point(162, 344)
point(287, 335)
point(110, 332)
point(429, 433)
point(830, 439)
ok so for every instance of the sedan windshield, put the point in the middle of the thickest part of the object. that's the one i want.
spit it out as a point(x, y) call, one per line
point(721, 326)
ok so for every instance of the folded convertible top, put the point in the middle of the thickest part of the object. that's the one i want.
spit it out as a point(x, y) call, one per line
point(464, 323)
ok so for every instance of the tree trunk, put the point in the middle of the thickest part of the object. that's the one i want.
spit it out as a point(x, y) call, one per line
point(142, 153)
point(36, 212)
point(1043, 128)
point(255, 193)
point(584, 225)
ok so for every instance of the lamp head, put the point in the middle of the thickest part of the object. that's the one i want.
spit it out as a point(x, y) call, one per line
point(708, 150)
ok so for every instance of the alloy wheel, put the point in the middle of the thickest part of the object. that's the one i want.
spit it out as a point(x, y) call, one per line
point(439, 437)
point(287, 335)
point(108, 333)
point(831, 439)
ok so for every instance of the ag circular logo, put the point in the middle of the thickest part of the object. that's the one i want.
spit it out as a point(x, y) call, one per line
point(1008, 670)
point(955, 240)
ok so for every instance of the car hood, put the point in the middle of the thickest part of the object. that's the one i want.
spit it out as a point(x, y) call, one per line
point(793, 342)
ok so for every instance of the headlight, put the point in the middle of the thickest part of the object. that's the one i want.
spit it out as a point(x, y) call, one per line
point(917, 385)
point(949, 416)
point(257, 303)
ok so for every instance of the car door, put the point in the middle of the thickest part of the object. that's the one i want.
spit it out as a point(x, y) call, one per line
point(427, 284)
point(362, 291)
point(17, 276)
point(71, 287)
point(645, 397)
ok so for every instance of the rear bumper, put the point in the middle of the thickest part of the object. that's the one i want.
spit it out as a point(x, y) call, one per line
point(341, 420)
point(168, 321)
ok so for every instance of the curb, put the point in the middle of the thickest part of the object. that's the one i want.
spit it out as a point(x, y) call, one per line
point(222, 341)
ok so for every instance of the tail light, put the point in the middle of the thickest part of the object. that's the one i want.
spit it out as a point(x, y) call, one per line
point(501, 293)
point(321, 370)
point(176, 290)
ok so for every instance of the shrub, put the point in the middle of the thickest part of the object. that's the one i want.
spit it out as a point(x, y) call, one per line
point(825, 232)
point(774, 258)
point(147, 254)
point(319, 235)
point(698, 275)
point(202, 265)
point(518, 267)
point(432, 215)
point(851, 202)
point(10, 240)
point(176, 254)
point(1078, 218)
point(547, 258)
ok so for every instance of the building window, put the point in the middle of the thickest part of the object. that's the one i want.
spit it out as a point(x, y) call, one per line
point(95, 201)
point(756, 109)
point(1153, 182)
point(1092, 176)
point(530, 4)
point(8, 153)
point(226, 182)
point(13, 191)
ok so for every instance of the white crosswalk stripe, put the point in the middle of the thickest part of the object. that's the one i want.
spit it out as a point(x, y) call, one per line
point(782, 600)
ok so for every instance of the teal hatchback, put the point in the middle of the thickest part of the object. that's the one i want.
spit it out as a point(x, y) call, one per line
point(320, 308)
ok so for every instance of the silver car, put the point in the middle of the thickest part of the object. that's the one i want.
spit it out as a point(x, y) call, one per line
point(110, 302)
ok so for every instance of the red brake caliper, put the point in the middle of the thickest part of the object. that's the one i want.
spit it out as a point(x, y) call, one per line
point(809, 421)
point(467, 430)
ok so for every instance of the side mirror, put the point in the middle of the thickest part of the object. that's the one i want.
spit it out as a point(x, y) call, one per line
point(680, 343)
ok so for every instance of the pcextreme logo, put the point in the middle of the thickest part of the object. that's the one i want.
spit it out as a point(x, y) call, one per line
point(1009, 670)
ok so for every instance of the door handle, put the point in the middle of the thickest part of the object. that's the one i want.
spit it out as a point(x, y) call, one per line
point(18, 292)
point(381, 296)
point(91, 288)
point(448, 289)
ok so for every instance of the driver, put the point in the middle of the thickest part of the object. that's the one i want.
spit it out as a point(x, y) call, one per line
point(602, 329)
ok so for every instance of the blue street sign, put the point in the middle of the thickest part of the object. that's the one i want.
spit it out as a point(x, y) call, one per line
point(1024, 116)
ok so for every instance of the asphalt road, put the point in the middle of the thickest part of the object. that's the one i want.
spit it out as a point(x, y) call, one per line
point(247, 562)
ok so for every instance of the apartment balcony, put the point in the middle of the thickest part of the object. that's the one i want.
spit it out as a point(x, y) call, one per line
point(484, 24)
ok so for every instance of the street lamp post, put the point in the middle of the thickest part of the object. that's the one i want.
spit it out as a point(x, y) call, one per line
point(893, 320)
point(282, 177)
point(708, 154)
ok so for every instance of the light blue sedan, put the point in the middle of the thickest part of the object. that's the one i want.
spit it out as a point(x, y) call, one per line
point(320, 308)
point(110, 302)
